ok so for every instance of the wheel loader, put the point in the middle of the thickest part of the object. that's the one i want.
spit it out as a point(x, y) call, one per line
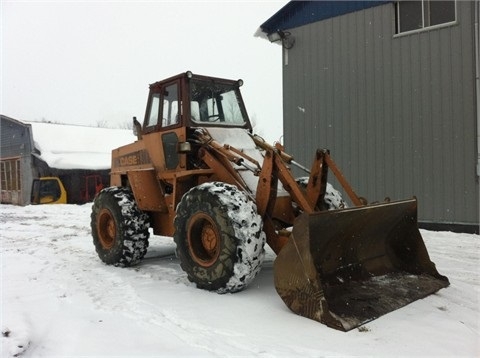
point(197, 173)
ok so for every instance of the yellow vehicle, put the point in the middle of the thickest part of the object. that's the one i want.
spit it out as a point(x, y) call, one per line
point(48, 190)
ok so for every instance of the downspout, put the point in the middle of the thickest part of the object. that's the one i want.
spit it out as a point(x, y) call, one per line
point(477, 79)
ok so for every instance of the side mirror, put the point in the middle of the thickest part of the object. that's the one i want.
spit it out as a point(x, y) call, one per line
point(137, 128)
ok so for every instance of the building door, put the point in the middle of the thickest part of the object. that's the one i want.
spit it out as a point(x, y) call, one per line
point(10, 181)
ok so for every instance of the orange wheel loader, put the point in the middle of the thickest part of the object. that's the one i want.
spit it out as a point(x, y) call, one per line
point(197, 173)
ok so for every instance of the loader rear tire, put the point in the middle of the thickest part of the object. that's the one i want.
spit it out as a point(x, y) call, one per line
point(119, 228)
point(219, 237)
point(333, 199)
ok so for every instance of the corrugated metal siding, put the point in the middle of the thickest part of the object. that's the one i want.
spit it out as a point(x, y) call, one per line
point(15, 138)
point(16, 142)
point(397, 113)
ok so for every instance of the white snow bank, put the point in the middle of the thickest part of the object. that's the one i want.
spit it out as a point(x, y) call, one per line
point(78, 147)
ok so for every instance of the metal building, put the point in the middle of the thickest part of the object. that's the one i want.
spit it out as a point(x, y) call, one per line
point(392, 89)
point(16, 174)
point(80, 157)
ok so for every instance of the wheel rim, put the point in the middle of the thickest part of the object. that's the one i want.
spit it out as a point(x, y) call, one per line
point(203, 240)
point(106, 228)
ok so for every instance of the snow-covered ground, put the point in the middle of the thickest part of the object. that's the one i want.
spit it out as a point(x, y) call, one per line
point(59, 299)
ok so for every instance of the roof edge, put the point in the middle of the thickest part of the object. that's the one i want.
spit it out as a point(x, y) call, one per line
point(299, 13)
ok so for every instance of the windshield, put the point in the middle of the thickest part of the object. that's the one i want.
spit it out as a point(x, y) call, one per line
point(215, 103)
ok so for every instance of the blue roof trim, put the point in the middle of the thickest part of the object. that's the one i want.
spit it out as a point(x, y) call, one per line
point(298, 13)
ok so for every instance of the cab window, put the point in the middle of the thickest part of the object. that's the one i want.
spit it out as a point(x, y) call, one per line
point(215, 103)
point(164, 107)
point(154, 110)
point(170, 112)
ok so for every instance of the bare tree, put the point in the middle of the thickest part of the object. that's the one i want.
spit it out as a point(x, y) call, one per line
point(102, 123)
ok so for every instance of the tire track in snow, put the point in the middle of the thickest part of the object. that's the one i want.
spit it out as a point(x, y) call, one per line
point(110, 290)
point(67, 246)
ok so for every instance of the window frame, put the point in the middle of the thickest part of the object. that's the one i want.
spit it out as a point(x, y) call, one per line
point(425, 4)
point(234, 93)
point(159, 91)
point(170, 106)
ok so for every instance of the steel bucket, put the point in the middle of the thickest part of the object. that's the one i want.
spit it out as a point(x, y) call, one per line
point(347, 267)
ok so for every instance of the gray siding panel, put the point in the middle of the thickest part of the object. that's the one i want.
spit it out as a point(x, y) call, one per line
point(397, 112)
point(15, 138)
point(16, 142)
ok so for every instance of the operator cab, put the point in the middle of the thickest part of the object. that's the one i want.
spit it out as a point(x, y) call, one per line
point(189, 100)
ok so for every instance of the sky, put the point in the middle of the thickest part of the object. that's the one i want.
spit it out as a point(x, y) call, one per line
point(90, 62)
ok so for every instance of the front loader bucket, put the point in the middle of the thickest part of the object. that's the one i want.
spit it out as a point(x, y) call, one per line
point(346, 267)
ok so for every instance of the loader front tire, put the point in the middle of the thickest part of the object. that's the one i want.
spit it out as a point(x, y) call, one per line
point(219, 237)
point(119, 228)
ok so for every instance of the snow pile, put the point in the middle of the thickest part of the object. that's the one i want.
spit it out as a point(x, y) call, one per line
point(77, 147)
point(58, 299)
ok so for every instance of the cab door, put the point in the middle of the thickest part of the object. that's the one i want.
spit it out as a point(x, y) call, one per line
point(163, 125)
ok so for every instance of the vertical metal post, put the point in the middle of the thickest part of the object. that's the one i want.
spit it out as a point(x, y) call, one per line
point(477, 78)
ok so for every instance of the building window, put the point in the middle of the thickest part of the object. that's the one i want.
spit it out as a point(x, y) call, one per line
point(421, 14)
point(10, 175)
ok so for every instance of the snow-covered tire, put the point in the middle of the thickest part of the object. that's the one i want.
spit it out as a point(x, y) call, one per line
point(219, 237)
point(119, 227)
point(333, 199)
